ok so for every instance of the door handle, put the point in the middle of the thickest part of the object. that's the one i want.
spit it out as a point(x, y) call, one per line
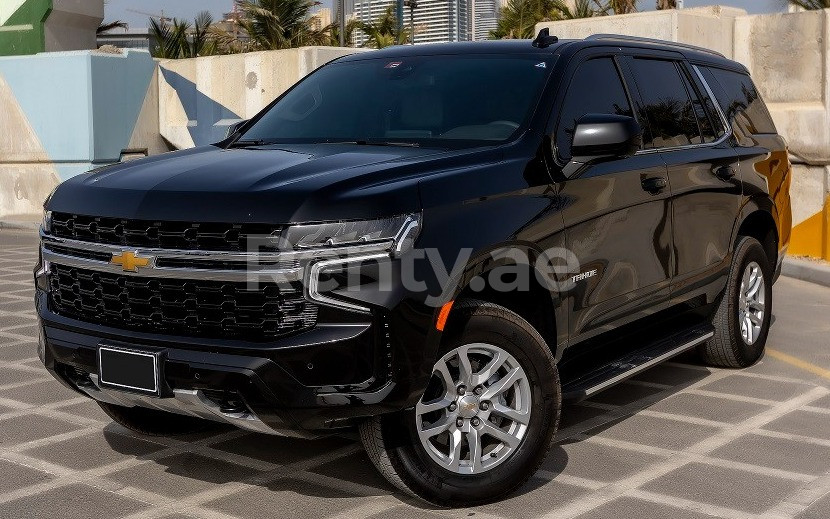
point(654, 185)
point(725, 173)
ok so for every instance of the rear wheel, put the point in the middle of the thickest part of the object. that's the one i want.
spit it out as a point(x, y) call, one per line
point(743, 317)
point(153, 423)
point(486, 420)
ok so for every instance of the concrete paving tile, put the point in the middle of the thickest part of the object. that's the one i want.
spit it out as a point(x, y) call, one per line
point(655, 432)
point(279, 450)
point(777, 453)
point(631, 508)
point(16, 476)
point(71, 502)
point(19, 351)
point(823, 402)
point(17, 306)
point(406, 511)
point(708, 408)
point(287, 498)
point(86, 409)
point(737, 384)
point(624, 394)
point(47, 392)
point(818, 510)
point(535, 499)
point(10, 375)
point(573, 415)
point(725, 487)
point(31, 427)
point(94, 450)
point(182, 475)
point(597, 462)
point(355, 467)
point(9, 323)
point(804, 423)
point(672, 375)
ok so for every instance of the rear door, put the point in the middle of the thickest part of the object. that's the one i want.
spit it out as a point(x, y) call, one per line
point(618, 226)
point(703, 169)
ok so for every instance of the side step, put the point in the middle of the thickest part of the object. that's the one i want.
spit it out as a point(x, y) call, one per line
point(635, 362)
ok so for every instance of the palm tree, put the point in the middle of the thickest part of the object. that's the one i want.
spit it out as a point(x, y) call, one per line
point(105, 27)
point(519, 17)
point(810, 4)
point(179, 39)
point(384, 32)
point(622, 6)
point(666, 4)
point(334, 32)
point(281, 24)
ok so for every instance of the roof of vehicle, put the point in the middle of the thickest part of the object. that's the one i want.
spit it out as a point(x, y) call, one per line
point(692, 53)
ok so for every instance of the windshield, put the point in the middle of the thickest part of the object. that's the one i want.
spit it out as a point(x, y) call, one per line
point(443, 101)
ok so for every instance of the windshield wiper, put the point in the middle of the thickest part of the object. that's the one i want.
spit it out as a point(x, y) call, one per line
point(252, 142)
point(380, 143)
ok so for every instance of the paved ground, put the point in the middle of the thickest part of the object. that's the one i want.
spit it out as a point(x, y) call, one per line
point(680, 441)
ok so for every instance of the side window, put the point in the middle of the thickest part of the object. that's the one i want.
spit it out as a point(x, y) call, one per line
point(596, 88)
point(667, 105)
point(740, 100)
point(707, 129)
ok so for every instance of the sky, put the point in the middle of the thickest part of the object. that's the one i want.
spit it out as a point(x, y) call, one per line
point(120, 9)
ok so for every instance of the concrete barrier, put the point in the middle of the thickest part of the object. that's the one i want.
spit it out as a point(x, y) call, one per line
point(32, 26)
point(788, 55)
point(201, 97)
point(69, 112)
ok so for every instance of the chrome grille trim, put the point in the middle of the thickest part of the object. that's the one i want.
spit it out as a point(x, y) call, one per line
point(267, 266)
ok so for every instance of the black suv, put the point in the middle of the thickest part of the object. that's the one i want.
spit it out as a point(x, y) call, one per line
point(435, 244)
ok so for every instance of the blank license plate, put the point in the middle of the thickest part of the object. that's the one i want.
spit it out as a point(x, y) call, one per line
point(128, 370)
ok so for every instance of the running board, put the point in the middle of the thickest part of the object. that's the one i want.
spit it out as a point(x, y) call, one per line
point(635, 362)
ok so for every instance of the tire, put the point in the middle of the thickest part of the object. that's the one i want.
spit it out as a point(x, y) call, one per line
point(477, 329)
point(154, 423)
point(730, 347)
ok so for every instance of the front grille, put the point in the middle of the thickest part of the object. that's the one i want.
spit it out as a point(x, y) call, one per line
point(166, 235)
point(212, 309)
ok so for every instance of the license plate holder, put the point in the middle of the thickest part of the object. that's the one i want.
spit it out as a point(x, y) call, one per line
point(128, 369)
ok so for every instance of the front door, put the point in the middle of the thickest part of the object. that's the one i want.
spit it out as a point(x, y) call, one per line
point(617, 214)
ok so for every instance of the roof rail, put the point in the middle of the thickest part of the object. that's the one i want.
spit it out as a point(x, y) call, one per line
point(652, 40)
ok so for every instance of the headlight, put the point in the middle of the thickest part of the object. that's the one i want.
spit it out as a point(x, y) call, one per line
point(47, 221)
point(397, 233)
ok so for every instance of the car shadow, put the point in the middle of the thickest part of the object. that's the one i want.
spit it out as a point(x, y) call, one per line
point(336, 467)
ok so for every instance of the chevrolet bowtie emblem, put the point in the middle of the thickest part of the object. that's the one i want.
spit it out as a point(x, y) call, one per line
point(130, 261)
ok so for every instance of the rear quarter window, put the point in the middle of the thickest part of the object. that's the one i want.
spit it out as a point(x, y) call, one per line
point(740, 100)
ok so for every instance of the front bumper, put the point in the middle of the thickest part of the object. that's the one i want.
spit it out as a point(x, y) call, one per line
point(302, 385)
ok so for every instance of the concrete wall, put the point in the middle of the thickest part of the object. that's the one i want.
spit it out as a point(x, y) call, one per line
point(32, 26)
point(69, 112)
point(788, 55)
point(200, 97)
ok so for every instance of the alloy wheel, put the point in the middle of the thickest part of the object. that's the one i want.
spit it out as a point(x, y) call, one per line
point(752, 303)
point(476, 409)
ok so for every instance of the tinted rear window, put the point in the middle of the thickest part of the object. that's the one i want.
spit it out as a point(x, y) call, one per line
point(740, 100)
point(666, 104)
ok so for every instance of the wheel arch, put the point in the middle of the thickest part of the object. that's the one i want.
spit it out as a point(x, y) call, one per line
point(758, 220)
point(539, 305)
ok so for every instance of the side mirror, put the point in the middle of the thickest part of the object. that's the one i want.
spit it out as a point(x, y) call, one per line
point(234, 127)
point(601, 137)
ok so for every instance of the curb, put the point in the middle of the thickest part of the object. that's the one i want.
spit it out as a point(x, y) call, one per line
point(806, 270)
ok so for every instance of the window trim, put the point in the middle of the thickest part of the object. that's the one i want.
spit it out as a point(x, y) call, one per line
point(609, 54)
point(728, 127)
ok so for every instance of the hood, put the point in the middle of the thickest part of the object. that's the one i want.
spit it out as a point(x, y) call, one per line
point(268, 184)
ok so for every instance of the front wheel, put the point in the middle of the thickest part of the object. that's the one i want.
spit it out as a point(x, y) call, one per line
point(743, 317)
point(485, 422)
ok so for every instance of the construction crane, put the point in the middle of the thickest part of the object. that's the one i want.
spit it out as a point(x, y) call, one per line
point(160, 17)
